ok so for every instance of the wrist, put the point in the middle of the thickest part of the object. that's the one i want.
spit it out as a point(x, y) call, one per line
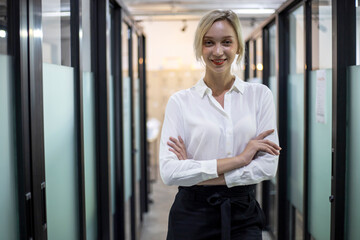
point(240, 160)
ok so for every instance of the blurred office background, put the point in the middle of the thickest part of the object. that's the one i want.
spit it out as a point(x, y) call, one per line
point(84, 85)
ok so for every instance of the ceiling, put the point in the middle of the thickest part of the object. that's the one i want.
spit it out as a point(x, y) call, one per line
point(167, 10)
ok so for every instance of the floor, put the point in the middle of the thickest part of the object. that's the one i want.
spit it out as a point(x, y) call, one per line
point(155, 221)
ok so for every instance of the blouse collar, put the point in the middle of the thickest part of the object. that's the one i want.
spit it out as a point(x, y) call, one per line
point(203, 89)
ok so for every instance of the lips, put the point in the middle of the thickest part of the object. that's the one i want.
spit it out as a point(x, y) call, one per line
point(218, 62)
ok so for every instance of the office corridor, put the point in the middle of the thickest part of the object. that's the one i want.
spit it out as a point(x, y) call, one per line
point(84, 85)
point(155, 221)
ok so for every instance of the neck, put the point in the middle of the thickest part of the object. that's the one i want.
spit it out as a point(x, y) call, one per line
point(219, 82)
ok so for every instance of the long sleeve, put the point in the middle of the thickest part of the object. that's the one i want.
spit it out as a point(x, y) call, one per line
point(264, 166)
point(172, 170)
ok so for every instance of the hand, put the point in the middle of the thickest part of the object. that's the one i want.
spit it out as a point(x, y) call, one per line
point(178, 147)
point(260, 144)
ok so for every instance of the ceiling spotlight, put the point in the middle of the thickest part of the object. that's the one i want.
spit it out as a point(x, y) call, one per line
point(2, 33)
point(183, 29)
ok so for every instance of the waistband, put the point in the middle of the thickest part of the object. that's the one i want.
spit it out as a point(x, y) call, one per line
point(223, 190)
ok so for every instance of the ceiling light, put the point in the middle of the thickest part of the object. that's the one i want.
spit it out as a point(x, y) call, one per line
point(2, 34)
point(254, 11)
point(56, 14)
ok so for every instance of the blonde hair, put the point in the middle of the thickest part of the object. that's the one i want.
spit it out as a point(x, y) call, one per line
point(208, 20)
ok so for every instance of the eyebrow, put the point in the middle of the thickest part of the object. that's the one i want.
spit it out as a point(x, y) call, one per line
point(223, 37)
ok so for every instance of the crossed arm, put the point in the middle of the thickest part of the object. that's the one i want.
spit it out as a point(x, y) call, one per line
point(259, 143)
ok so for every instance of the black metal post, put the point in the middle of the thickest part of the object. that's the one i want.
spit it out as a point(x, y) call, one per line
point(343, 55)
point(102, 141)
point(283, 63)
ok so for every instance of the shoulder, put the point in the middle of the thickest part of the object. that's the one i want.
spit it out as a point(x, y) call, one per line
point(180, 96)
point(257, 89)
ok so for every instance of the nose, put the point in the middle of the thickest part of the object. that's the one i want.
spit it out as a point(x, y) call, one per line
point(218, 51)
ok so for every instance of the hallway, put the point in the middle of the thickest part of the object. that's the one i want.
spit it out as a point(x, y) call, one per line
point(155, 221)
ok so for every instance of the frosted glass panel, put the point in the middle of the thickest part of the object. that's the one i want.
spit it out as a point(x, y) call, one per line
point(296, 139)
point(90, 155)
point(127, 135)
point(320, 154)
point(353, 163)
point(9, 217)
point(60, 152)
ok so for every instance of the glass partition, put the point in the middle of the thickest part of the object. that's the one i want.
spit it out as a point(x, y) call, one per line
point(9, 217)
point(352, 219)
point(295, 132)
point(136, 120)
point(321, 34)
point(56, 32)
point(89, 125)
point(320, 121)
point(127, 125)
point(320, 135)
point(273, 85)
point(60, 152)
point(59, 123)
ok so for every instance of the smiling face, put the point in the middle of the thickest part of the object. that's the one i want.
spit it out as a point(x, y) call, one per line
point(219, 47)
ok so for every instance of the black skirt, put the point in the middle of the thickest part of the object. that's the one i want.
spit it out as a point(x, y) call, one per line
point(215, 213)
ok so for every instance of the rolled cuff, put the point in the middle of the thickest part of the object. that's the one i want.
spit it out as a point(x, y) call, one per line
point(209, 169)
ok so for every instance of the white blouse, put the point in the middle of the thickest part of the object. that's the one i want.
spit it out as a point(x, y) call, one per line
point(211, 132)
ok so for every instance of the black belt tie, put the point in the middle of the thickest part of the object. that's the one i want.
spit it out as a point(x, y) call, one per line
point(225, 206)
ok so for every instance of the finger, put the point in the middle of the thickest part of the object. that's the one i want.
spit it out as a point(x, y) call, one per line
point(267, 148)
point(182, 144)
point(174, 146)
point(177, 154)
point(179, 143)
point(177, 149)
point(274, 145)
point(264, 134)
point(173, 140)
point(271, 150)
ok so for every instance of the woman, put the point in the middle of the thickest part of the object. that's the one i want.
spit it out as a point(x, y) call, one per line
point(218, 140)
